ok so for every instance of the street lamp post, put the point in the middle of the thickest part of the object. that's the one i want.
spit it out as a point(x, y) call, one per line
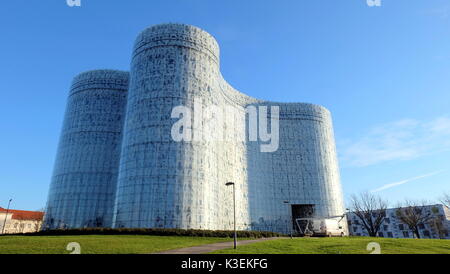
point(6, 217)
point(289, 226)
point(234, 210)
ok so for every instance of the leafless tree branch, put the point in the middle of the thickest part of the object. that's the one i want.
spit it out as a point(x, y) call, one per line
point(413, 214)
point(370, 210)
point(445, 200)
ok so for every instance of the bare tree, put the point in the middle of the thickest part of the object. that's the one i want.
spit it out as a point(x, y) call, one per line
point(414, 214)
point(37, 225)
point(445, 200)
point(371, 211)
point(437, 224)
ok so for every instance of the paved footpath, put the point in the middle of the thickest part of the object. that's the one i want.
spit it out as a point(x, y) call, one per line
point(202, 249)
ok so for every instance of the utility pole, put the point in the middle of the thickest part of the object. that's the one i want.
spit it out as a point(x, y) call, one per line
point(289, 226)
point(6, 217)
point(234, 210)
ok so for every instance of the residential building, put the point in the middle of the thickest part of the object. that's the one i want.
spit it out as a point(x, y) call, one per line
point(436, 227)
point(20, 221)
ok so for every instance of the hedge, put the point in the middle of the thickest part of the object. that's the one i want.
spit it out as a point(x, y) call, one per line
point(155, 231)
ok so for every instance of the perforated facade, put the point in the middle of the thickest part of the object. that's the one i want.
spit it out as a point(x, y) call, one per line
point(169, 184)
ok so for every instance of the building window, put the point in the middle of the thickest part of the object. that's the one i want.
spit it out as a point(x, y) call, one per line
point(406, 234)
point(385, 227)
point(426, 233)
point(421, 226)
point(390, 235)
point(355, 229)
point(380, 234)
point(387, 220)
point(400, 226)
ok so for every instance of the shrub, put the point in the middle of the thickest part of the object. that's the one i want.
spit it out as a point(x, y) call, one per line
point(157, 232)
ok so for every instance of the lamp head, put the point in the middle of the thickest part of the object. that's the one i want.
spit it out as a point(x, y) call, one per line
point(229, 184)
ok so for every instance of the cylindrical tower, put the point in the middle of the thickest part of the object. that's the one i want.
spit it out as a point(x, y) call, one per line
point(162, 182)
point(84, 179)
point(300, 179)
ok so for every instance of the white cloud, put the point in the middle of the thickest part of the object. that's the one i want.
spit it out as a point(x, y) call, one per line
point(440, 125)
point(386, 186)
point(399, 140)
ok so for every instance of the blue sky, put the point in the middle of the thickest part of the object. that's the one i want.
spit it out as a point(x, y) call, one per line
point(384, 72)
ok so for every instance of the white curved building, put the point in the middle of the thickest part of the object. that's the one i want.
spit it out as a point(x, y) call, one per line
point(167, 183)
point(84, 179)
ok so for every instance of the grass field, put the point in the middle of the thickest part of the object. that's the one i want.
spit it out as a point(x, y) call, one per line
point(137, 244)
point(346, 245)
point(100, 244)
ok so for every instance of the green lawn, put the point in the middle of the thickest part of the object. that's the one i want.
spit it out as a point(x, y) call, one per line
point(139, 244)
point(346, 245)
point(99, 244)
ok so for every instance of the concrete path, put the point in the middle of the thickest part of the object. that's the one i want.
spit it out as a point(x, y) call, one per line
point(202, 249)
